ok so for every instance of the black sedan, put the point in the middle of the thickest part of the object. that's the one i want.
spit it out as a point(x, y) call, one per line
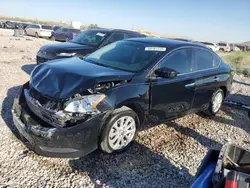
point(82, 44)
point(71, 107)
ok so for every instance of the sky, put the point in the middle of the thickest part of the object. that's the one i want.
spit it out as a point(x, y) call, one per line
point(208, 20)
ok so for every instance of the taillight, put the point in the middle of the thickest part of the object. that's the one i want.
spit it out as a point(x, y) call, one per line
point(231, 184)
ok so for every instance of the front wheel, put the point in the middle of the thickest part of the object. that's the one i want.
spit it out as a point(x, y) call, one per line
point(120, 130)
point(216, 103)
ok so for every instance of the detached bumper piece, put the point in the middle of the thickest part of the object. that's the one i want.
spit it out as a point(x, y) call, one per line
point(50, 141)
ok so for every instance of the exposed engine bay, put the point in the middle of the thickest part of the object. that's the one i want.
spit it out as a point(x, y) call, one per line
point(53, 111)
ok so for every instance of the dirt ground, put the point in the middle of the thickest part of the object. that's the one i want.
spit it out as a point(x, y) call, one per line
point(163, 156)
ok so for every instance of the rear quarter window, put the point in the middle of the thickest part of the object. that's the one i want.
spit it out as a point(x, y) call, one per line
point(47, 27)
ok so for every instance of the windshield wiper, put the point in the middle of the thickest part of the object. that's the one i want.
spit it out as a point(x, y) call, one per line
point(96, 63)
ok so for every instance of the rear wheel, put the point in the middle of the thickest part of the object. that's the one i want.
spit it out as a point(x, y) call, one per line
point(216, 103)
point(67, 39)
point(120, 130)
point(36, 35)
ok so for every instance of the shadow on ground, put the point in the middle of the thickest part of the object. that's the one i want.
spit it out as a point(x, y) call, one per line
point(138, 166)
point(6, 109)
point(28, 68)
point(243, 83)
point(235, 115)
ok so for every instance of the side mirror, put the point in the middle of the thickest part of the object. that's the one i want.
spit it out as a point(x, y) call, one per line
point(165, 72)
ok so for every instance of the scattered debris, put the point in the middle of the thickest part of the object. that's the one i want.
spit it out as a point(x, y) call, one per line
point(27, 58)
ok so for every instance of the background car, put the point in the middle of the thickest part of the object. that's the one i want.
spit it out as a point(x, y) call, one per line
point(85, 43)
point(23, 25)
point(55, 27)
point(224, 47)
point(38, 30)
point(211, 45)
point(9, 25)
point(1, 23)
point(64, 34)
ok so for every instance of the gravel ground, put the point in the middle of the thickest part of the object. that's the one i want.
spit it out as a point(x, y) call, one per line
point(163, 156)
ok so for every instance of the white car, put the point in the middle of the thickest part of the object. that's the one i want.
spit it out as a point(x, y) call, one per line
point(211, 45)
point(38, 30)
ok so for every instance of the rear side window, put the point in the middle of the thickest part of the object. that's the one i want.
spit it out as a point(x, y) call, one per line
point(36, 26)
point(180, 61)
point(204, 59)
point(75, 30)
point(47, 27)
point(116, 37)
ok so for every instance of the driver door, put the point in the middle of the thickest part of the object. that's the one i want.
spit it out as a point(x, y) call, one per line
point(173, 97)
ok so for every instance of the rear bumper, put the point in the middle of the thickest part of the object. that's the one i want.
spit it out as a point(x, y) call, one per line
point(68, 142)
point(45, 34)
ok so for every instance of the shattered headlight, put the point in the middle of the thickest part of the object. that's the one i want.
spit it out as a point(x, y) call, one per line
point(88, 104)
point(66, 54)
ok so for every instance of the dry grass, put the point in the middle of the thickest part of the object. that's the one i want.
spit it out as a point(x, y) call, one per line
point(240, 61)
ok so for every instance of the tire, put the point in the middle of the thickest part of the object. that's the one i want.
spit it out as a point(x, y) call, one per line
point(36, 35)
point(109, 143)
point(67, 39)
point(221, 49)
point(214, 108)
point(25, 32)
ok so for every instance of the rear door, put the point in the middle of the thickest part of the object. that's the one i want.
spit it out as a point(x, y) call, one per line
point(63, 34)
point(173, 97)
point(206, 67)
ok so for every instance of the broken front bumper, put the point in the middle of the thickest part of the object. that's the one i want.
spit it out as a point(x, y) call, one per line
point(46, 140)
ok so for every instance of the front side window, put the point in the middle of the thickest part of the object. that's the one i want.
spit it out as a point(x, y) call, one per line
point(203, 59)
point(180, 61)
point(90, 37)
point(116, 37)
point(130, 56)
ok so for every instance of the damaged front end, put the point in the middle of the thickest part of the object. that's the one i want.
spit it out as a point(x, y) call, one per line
point(65, 112)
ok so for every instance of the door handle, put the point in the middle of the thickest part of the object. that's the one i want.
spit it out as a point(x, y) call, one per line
point(216, 79)
point(190, 85)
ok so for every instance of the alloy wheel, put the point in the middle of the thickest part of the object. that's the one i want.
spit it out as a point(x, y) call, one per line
point(217, 102)
point(122, 132)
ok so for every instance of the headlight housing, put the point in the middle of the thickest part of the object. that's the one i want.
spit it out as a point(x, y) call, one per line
point(66, 54)
point(89, 104)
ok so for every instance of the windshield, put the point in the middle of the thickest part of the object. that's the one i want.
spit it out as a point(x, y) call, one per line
point(90, 37)
point(130, 56)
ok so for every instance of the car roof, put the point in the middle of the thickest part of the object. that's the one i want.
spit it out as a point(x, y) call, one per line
point(116, 30)
point(165, 42)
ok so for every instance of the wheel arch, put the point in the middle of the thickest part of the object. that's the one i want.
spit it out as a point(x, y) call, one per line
point(137, 108)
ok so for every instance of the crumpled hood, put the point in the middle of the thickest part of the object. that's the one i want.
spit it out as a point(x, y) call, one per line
point(65, 47)
point(63, 78)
